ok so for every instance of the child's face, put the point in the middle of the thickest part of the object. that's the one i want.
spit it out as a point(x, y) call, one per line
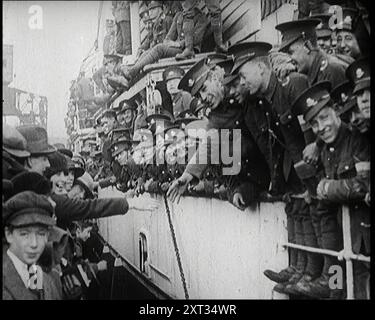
point(27, 243)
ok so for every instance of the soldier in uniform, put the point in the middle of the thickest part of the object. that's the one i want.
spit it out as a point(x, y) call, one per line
point(127, 114)
point(345, 158)
point(359, 75)
point(121, 12)
point(324, 32)
point(174, 43)
point(181, 100)
point(299, 39)
point(277, 131)
point(214, 9)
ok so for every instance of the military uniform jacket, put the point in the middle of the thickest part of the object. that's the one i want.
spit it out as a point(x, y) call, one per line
point(326, 67)
point(181, 102)
point(176, 33)
point(14, 288)
point(339, 159)
point(276, 130)
point(230, 116)
point(160, 29)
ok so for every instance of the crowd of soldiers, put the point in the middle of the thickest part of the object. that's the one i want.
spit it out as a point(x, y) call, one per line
point(303, 109)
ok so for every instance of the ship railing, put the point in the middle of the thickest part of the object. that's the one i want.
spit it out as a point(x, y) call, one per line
point(345, 254)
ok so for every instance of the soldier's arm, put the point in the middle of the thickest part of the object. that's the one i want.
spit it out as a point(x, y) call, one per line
point(76, 209)
point(354, 188)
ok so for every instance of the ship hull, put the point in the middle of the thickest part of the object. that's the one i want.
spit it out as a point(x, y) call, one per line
point(223, 250)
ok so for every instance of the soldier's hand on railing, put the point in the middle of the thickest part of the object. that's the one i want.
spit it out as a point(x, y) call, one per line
point(178, 187)
point(238, 201)
point(311, 153)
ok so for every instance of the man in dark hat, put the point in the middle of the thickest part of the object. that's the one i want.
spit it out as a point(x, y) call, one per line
point(347, 43)
point(14, 152)
point(299, 39)
point(181, 100)
point(214, 10)
point(37, 145)
point(345, 102)
point(27, 219)
point(345, 158)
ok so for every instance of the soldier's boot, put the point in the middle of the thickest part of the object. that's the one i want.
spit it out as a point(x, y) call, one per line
point(281, 287)
point(188, 53)
point(217, 29)
point(282, 276)
point(316, 289)
point(293, 288)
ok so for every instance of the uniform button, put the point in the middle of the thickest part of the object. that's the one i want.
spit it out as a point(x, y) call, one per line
point(182, 34)
point(277, 123)
point(328, 159)
point(346, 167)
point(289, 117)
point(267, 114)
point(327, 176)
point(260, 102)
point(237, 123)
point(331, 149)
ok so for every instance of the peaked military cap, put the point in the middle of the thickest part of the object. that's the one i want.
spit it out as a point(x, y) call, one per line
point(195, 77)
point(292, 31)
point(143, 9)
point(359, 74)
point(159, 114)
point(343, 97)
point(348, 21)
point(246, 51)
point(312, 100)
point(173, 72)
point(118, 133)
point(155, 4)
point(215, 58)
point(227, 65)
point(322, 29)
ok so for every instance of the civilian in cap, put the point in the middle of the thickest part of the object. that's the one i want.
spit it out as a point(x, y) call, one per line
point(14, 152)
point(27, 219)
point(181, 100)
point(127, 114)
point(345, 158)
point(299, 39)
point(347, 43)
point(37, 145)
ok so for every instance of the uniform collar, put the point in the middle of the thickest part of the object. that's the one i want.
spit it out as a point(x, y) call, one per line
point(21, 267)
point(271, 88)
point(341, 135)
point(319, 62)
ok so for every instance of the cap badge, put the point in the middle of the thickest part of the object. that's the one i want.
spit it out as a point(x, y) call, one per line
point(311, 102)
point(344, 97)
point(319, 26)
point(359, 73)
point(348, 20)
point(191, 82)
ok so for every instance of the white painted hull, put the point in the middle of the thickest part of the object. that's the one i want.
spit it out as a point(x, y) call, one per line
point(224, 251)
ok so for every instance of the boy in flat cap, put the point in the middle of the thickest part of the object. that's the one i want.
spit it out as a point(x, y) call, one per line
point(299, 39)
point(27, 219)
point(345, 158)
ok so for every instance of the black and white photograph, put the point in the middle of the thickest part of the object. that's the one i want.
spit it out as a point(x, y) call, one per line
point(186, 150)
